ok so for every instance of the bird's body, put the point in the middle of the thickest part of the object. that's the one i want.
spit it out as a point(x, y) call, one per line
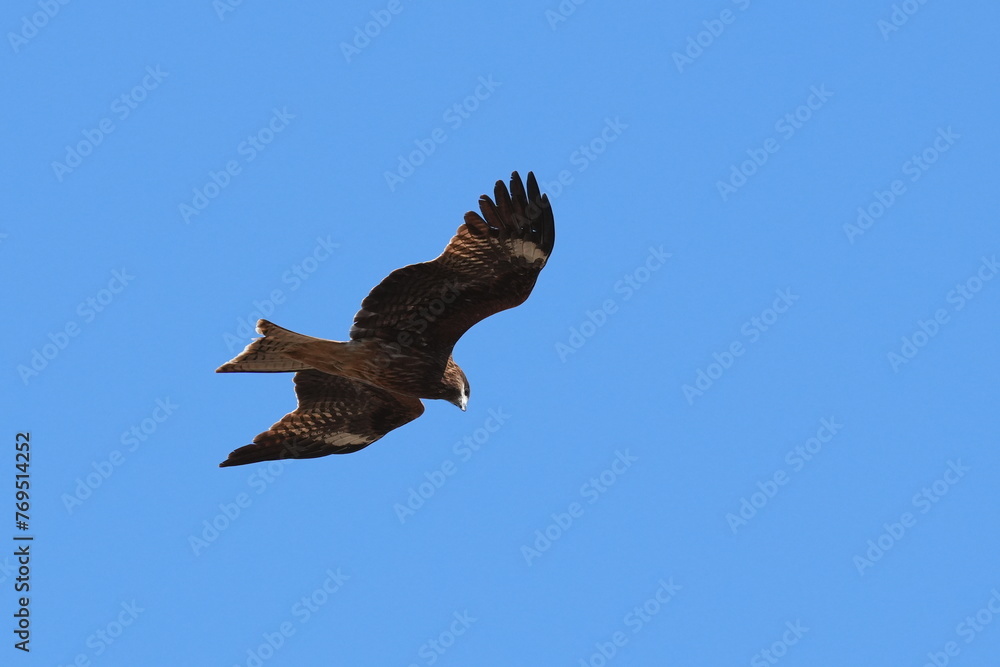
point(384, 364)
point(352, 393)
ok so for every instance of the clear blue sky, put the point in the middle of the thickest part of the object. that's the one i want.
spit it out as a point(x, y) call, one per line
point(748, 415)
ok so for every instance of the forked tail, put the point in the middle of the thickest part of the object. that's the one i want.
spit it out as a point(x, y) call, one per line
point(267, 354)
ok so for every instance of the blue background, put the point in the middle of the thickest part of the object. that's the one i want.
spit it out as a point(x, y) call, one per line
point(635, 118)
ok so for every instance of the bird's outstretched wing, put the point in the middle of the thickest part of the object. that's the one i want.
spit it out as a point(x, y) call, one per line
point(490, 265)
point(335, 415)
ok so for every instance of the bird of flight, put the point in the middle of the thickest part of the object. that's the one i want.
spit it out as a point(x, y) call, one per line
point(352, 393)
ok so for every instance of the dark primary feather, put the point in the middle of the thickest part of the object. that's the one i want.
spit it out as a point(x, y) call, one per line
point(490, 265)
point(335, 415)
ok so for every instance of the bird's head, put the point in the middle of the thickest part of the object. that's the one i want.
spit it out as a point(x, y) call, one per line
point(457, 386)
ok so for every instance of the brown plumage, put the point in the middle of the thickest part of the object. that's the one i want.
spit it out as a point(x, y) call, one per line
point(352, 393)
